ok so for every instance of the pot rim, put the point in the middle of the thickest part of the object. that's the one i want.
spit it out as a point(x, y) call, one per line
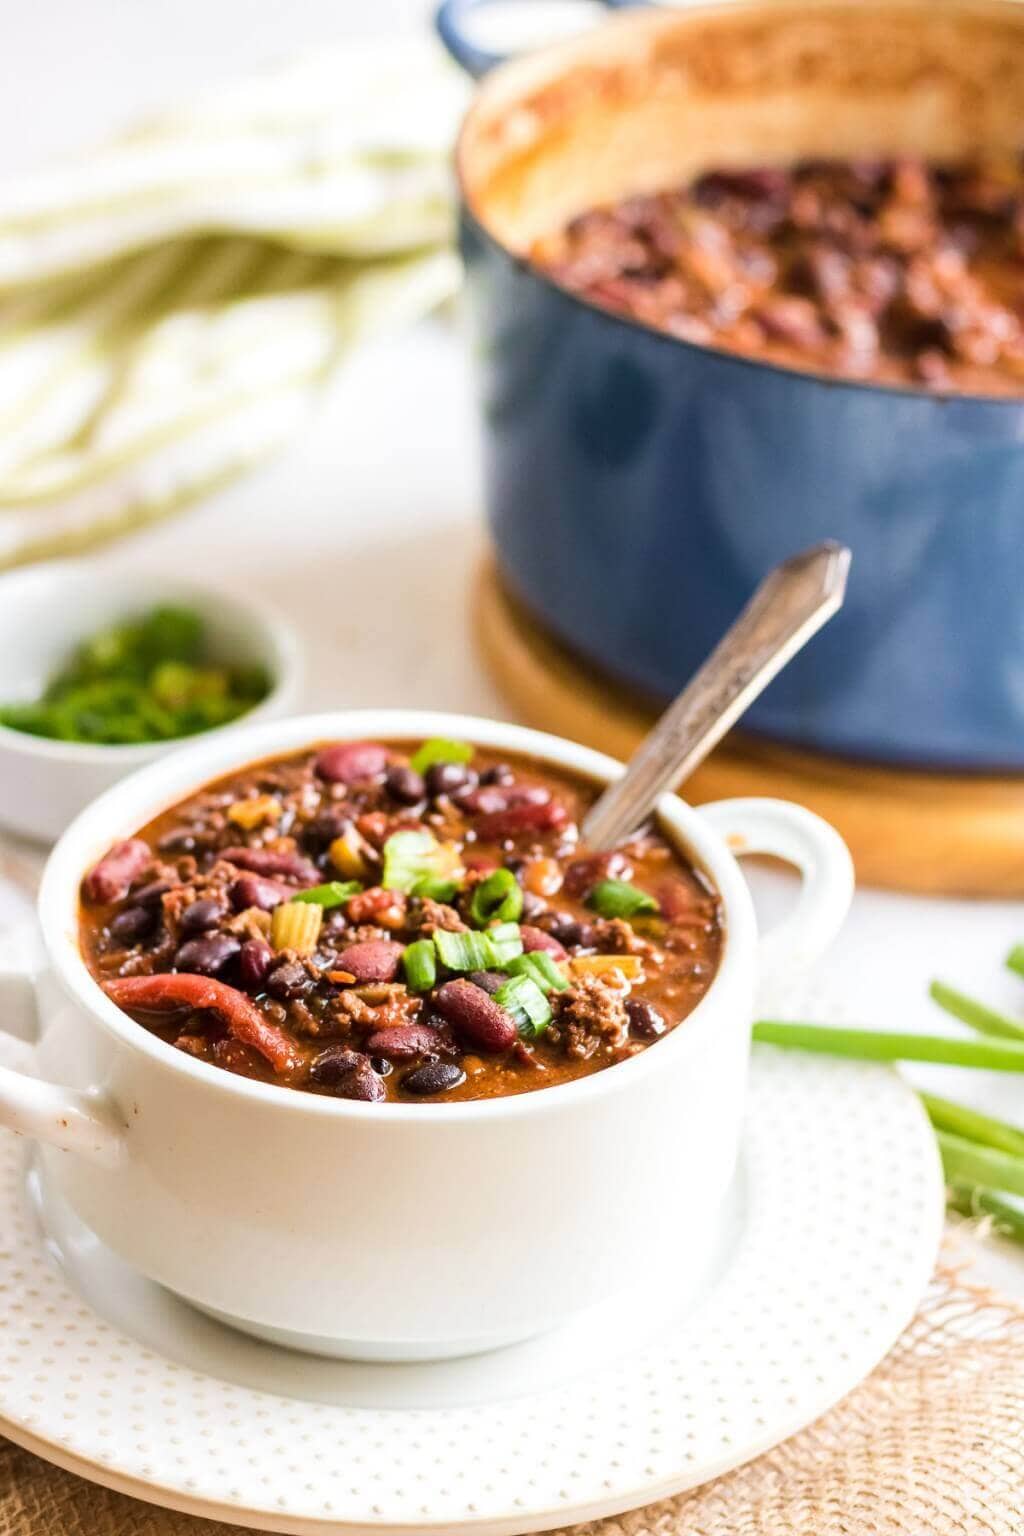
point(659, 19)
point(120, 811)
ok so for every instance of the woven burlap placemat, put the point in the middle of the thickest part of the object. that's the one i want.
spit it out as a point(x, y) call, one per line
point(931, 1444)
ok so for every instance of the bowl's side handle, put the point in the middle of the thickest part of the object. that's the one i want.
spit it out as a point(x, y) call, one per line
point(798, 837)
point(75, 1121)
point(476, 60)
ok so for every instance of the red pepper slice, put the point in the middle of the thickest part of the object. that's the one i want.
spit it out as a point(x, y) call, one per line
point(163, 993)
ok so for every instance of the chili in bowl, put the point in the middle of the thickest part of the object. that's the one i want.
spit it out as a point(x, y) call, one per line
point(399, 1225)
point(401, 921)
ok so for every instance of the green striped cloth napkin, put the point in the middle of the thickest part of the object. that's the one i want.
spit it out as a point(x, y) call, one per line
point(172, 305)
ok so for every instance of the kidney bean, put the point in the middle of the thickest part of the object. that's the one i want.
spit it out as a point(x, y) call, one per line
point(476, 1018)
point(253, 891)
point(449, 779)
point(133, 924)
point(289, 981)
point(758, 182)
point(528, 817)
point(255, 959)
point(490, 981)
point(644, 1019)
point(234, 1056)
point(348, 1074)
point(200, 916)
point(351, 762)
point(434, 1077)
point(208, 955)
point(111, 878)
point(582, 874)
point(404, 1041)
point(372, 960)
point(405, 785)
point(487, 799)
point(169, 991)
point(535, 939)
point(267, 861)
point(149, 895)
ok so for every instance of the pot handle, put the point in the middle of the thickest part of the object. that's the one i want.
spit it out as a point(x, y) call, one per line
point(450, 18)
point(63, 1117)
point(797, 836)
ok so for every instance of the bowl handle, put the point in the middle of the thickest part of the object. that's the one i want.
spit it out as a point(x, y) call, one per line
point(797, 836)
point(63, 1117)
point(450, 18)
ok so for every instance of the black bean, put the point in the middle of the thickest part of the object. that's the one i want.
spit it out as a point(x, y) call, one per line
point(334, 1062)
point(489, 980)
point(449, 779)
point(405, 785)
point(208, 955)
point(562, 927)
point(326, 826)
point(132, 925)
point(381, 1065)
point(501, 773)
point(289, 981)
point(199, 917)
point(435, 1077)
point(254, 961)
point(257, 891)
point(644, 1019)
point(347, 1074)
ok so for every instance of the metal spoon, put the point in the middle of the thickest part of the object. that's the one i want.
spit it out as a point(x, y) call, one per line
point(791, 604)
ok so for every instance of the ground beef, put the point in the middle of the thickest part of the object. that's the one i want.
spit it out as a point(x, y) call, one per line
point(433, 915)
point(614, 936)
point(591, 1014)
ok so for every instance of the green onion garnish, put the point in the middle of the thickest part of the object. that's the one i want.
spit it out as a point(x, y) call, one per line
point(469, 951)
point(420, 965)
point(523, 999)
point(617, 898)
point(434, 889)
point(499, 897)
point(506, 943)
point(333, 894)
point(476, 951)
point(412, 858)
point(438, 750)
point(541, 968)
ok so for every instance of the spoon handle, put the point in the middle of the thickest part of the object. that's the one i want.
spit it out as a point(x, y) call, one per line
point(791, 604)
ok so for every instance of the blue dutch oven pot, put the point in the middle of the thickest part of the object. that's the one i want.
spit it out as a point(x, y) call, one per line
point(638, 486)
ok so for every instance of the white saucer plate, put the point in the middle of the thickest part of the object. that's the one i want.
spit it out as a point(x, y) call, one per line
point(831, 1236)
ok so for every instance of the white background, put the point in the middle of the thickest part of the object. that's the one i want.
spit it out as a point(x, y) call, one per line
point(369, 529)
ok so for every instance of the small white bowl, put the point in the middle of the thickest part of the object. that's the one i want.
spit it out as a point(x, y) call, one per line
point(400, 1231)
point(45, 612)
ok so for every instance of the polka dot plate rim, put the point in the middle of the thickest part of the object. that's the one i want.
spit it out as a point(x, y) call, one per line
point(834, 1224)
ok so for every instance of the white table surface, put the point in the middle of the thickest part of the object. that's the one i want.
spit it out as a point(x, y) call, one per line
point(369, 528)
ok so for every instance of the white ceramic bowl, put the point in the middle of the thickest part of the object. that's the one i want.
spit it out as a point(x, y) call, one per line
point(400, 1231)
point(45, 612)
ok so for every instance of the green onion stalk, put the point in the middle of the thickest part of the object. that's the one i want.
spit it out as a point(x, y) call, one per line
point(982, 1157)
